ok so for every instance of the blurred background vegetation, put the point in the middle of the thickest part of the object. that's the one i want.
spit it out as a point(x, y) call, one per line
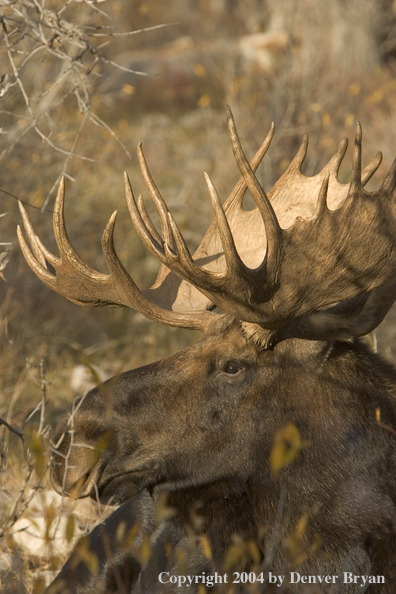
point(81, 83)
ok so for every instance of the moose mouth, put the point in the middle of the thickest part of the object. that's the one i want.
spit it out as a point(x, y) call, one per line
point(102, 479)
point(119, 488)
point(114, 488)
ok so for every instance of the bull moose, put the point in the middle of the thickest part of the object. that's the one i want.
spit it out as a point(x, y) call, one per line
point(299, 279)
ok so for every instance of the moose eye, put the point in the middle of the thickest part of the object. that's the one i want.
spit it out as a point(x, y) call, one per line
point(232, 369)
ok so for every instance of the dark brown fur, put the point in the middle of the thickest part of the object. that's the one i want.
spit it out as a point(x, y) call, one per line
point(187, 427)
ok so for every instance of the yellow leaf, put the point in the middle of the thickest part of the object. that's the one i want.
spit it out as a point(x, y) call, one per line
point(70, 528)
point(354, 89)
point(129, 89)
point(301, 526)
point(117, 7)
point(284, 164)
point(204, 101)
point(181, 561)
point(120, 532)
point(199, 70)
point(50, 515)
point(375, 97)
point(39, 585)
point(316, 542)
point(144, 8)
point(349, 120)
point(287, 445)
point(233, 556)
point(205, 544)
point(325, 119)
point(132, 534)
point(254, 551)
point(123, 125)
point(36, 446)
point(145, 548)
point(82, 553)
point(163, 511)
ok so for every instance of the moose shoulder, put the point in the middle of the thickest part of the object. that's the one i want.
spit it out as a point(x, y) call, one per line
point(314, 272)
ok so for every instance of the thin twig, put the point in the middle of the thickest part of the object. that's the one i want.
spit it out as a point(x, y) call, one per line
point(69, 157)
point(43, 395)
point(130, 33)
point(24, 202)
point(51, 33)
point(11, 428)
point(96, 120)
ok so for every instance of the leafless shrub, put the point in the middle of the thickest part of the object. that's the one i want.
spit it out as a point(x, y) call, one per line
point(54, 57)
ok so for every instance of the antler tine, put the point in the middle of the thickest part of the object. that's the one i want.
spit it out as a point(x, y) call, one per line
point(298, 160)
point(177, 258)
point(66, 249)
point(147, 221)
point(183, 264)
point(389, 184)
point(233, 261)
point(356, 176)
point(359, 178)
point(174, 252)
point(41, 253)
point(34, 263)
point(179, 261)
point(79, 283)
point(371, 168)
point(38, 262)
point(118, 273)
point(272, 228)
point(136, 298)
point(156, 197)
point(334, 164)
point(37, 246)
point(153, 243)
point(321, 208)
point(237, 194)
point(222, 288)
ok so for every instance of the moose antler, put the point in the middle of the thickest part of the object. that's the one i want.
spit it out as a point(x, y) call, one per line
point(323, 267)
point(170, 300)
point(81, 284)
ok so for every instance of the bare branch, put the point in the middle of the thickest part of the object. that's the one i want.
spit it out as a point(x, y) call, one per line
point(33, 32)
point(12, 429)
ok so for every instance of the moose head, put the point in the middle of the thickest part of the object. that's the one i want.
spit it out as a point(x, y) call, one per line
point(299, 278)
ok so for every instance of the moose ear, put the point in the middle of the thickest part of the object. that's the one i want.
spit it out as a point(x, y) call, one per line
point(262, 337)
